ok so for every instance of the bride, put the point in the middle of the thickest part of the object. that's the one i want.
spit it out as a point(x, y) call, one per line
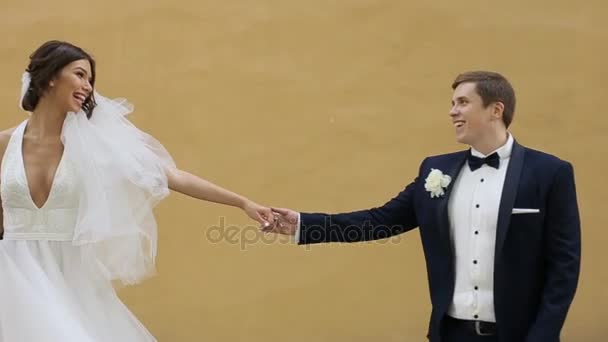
point(78, 184)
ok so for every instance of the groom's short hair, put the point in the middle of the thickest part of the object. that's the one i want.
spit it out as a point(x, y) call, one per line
point(491, 87)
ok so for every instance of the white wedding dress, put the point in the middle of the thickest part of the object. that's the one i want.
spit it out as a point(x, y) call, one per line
point(50, 291)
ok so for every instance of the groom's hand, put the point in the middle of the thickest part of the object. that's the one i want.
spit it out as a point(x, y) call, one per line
point(286, 222)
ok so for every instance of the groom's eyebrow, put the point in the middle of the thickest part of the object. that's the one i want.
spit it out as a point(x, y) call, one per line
point(460, 98)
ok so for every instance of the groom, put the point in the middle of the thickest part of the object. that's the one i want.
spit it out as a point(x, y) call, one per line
point(499, 225)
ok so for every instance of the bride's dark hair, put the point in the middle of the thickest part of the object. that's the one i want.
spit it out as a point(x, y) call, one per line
point(46, 63)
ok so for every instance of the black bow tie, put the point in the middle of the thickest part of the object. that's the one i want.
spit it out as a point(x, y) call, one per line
point(492, 160)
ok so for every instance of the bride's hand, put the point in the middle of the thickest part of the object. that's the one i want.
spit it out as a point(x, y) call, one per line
point(259, 213)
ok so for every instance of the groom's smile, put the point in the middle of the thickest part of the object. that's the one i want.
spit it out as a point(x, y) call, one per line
point(459, 123)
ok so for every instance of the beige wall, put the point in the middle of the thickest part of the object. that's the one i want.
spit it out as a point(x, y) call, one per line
point(324, 106)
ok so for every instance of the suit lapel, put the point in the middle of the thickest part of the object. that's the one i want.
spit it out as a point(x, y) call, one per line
point(453, 170)
point(509, 192)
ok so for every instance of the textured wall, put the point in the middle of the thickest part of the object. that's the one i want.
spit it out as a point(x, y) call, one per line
point(323, 106)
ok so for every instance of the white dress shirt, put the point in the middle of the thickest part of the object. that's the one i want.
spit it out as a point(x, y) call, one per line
point(473, 215)
point(473, 212)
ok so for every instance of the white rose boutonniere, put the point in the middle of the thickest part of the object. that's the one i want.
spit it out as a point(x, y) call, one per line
point(436, 182)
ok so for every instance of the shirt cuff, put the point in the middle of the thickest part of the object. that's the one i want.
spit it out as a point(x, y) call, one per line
point(297, 235)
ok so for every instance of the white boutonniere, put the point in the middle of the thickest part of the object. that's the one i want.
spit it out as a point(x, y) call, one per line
point(436, 182)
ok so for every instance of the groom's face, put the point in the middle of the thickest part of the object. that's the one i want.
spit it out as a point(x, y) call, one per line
point(472, 121)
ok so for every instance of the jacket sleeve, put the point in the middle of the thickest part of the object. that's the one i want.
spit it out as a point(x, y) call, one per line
point(395, 217)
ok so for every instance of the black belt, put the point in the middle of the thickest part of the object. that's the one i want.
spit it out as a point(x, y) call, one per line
point(479, 328)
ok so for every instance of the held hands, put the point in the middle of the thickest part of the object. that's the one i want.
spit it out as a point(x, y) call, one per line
point(275, 220)
point(286, 222)
point(262, 214)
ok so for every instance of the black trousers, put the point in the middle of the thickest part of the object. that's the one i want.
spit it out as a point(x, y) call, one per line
point(456, 331)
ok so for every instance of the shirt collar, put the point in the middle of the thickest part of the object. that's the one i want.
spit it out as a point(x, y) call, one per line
point(503, 152)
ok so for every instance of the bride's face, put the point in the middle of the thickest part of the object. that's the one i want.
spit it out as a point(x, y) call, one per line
point(72, 86)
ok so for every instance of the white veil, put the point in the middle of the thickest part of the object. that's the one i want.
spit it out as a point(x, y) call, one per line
point(122, 176)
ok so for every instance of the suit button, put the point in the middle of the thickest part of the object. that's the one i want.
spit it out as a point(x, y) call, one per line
point(476, 287)
point(476, 205)
point(476, 316)
point(475, 262)
point(476, 232)
point(482, 180)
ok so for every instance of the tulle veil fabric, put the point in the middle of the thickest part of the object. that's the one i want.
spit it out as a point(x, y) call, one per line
point(123, 175)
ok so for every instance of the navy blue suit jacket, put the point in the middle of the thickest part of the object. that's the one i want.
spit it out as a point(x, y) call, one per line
point(537, 256)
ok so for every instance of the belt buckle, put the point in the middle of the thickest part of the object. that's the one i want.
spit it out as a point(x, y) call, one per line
point(478, 330)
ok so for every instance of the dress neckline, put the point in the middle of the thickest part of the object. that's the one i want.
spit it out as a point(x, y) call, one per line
point(20, 137)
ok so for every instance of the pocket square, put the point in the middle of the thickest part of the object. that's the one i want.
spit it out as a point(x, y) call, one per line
point(525, 211)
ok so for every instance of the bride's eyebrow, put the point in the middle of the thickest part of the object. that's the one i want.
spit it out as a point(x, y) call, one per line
point(83, 70)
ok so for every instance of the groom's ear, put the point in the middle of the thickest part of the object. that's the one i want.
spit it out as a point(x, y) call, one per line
point(498, 108)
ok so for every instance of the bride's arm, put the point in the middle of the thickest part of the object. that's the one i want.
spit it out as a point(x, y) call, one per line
point(196, 187)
